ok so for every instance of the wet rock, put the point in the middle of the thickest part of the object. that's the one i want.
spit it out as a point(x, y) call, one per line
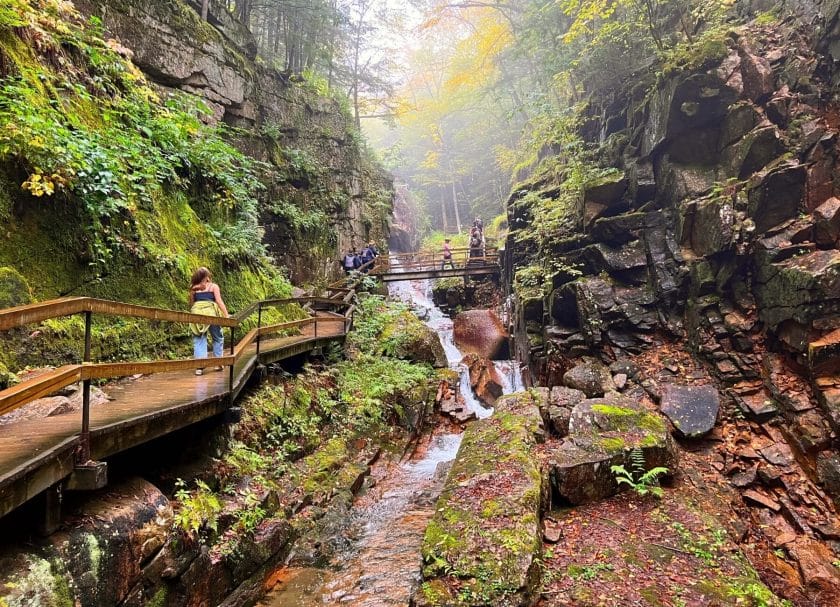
point(752, 153)
point(828, 473)
point(96, 558)
point(558, 419)
point(756, 75)
point(692, 409)
point(827, 226)
point(745, 478)
point(801, 288)
point(815, 564)
point(592, 378)
point(484, 379)
point(760, 499)
point(777, 197)
point(740, 120)
point(602, 433)
point(626, 367)
point(481, 332)
point(486, 531)
point(684, 104)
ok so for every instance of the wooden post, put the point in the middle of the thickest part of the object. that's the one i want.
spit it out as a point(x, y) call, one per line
point(315, 319)
point(233, 364)
point(84, 452)
point(259, 326)
point(50, 506)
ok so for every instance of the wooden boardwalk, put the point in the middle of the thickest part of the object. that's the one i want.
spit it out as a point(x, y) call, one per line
point(40, 453)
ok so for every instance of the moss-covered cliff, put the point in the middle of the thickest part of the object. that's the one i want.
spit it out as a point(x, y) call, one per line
point(139, 143)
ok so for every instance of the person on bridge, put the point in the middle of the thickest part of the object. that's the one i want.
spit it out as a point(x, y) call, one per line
point(476, 242)
point(367, 256)
point(447, 255)
point(206, 299)
point(350, 261)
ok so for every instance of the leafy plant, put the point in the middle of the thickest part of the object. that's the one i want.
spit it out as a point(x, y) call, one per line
point(643, 482)
point(198, 509)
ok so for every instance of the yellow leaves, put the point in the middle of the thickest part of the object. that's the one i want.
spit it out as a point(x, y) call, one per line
point(474, 64)
point(40, 185)
point(431, 161)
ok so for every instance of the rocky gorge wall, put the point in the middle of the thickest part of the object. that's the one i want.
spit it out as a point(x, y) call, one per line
point(316, 164)
point(713, 222)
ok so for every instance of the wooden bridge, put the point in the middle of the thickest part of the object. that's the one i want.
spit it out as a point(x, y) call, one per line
point(41, 457)
point(419, 266)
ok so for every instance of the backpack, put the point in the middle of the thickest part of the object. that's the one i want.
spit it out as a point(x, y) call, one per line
point(349, 261)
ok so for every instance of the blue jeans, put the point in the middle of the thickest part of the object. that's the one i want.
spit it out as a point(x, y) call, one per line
point(200, 343)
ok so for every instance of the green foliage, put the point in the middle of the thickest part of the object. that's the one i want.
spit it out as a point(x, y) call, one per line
point(643, 482)
point(107, 143)
point(197, 510)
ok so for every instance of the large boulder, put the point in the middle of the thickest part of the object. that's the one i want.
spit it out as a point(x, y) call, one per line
point(485, 534)
point(692, 409)
point(406, 336)
point(481, 332)
point(604, 433)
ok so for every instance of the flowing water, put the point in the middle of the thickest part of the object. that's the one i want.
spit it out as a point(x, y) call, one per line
point(381, 565)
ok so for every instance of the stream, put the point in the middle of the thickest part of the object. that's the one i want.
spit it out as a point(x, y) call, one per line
point(381, 563)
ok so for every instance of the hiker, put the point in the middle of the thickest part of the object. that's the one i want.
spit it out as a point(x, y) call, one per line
point(350, 261)
point(366, 257)
point(373, 248)
point(206, 299)
point(479, 225)
point(475, 242)
point(447, 254)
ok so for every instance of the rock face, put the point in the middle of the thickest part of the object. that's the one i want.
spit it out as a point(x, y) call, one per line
point(592, 378)
point(716, 225)
point(481, 332)
point(602, 433)
point(282, 124)
point(691, 409)
point(486, 531)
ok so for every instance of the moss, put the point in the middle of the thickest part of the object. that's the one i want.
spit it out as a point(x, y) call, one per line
point(14, 290)
point(159, 598)
point(612, 444)
point(650, 595)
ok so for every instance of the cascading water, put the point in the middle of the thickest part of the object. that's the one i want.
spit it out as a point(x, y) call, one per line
point(382, 565)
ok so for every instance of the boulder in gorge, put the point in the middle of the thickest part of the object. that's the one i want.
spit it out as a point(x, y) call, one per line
point(692, 409)
point(481, 332)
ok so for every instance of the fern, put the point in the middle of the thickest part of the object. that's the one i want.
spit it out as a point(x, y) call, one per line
point(642, 481)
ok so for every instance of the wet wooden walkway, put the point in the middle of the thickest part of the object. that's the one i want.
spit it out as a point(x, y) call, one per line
point(38, 454)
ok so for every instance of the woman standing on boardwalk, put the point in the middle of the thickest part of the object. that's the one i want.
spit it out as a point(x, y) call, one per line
point(206, 299)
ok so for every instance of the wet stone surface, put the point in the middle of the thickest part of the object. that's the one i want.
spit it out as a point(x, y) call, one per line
point(692, 409)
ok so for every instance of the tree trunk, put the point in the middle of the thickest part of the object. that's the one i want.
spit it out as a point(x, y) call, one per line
point(205, 9)
point(443, 212)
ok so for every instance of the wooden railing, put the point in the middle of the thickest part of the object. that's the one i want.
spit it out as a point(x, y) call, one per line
point(427, 261)
point(50, 382)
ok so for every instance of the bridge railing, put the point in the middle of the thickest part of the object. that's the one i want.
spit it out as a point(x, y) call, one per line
point(462, 257)
point(47, 383)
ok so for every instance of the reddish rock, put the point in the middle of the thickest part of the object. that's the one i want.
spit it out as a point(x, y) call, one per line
point(757, 76)
point(827, 226)
point(484, 379)
point(481, 332)
point(762, 500)
point(822, 579)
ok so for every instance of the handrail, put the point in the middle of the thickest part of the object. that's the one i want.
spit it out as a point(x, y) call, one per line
point(52, 381)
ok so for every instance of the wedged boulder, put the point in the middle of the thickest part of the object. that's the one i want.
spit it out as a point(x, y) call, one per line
point(592, 378)
point(603, 433)
point(484, 379)
point(481, 332)
point(778, 196)
point(483, 543)
point(692, 409)
point(630, 256)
